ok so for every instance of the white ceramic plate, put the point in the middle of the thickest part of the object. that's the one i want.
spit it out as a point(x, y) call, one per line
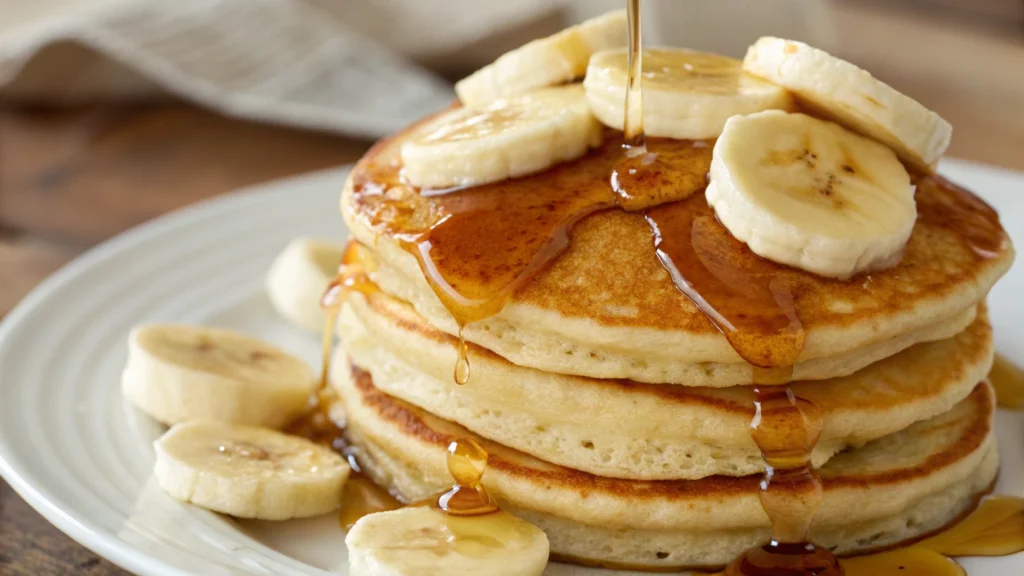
point(82, 457)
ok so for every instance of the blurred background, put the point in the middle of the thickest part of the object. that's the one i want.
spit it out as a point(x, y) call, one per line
point(113, 112)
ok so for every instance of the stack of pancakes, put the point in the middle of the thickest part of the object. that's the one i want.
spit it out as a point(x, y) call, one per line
point(618, 417)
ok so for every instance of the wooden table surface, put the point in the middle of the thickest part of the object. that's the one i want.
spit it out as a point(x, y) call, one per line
point(70, 179)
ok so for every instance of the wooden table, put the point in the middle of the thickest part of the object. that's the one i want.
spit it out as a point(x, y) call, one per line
point(71, 179)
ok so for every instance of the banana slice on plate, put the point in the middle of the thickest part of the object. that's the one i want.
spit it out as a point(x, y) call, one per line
point(543, 62)
point(176, 373)
point(851, 96)
point(688, 95)
point(808, 193)
point(248, 471)
point(510, 138)
point(298, 278)
point(420, 540)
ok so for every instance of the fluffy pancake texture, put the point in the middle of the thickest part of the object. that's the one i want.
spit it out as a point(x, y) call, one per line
point(626, 429)
point(900, 487)
point(606, 308)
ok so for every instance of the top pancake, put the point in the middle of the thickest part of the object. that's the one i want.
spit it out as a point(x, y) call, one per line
point(606, 308)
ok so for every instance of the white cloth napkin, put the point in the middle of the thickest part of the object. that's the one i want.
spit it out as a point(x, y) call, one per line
point(285, 61)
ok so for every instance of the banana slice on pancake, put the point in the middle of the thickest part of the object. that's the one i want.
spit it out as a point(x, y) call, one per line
point(248, 471)
point(808, 193)
point(176, 373)
point(420, 540)
point(510, 138)
point(543, 62)
point(687, 94)
point(851, 96)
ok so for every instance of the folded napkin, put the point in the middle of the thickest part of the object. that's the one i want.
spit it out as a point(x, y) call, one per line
point(284, 61)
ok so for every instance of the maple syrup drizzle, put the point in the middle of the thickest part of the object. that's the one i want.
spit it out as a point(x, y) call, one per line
point(320, 424)
point(323, 423)
point(786, 428)
point(351, 277)
point(476, 246)
point(462, 372)
point(633, 119)
point(1008, 380)
point(757, 314)
point(467, 461)
point(749, 299)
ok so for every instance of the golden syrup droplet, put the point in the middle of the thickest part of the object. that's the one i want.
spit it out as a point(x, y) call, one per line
point(467, 461)
point(785, 427)
point(462, 364)
point(1008, 380)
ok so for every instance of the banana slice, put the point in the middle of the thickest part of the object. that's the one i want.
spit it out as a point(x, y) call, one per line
point(420, 540)
point(298, 278)
point(688, 95)
point(509, 138)
point(851, 96)
point(808, 193)
point(248, 471)
point(543, 62)
point(178, 373)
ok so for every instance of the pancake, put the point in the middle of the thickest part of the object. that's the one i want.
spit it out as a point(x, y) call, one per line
point(606, 308)
point(892, 490)
point(625, 429)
